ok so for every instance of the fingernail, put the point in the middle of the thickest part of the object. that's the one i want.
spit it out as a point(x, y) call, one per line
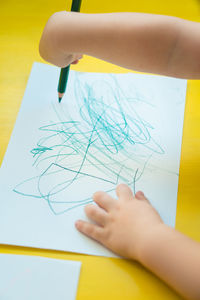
point(139, 195)
point(76, 223)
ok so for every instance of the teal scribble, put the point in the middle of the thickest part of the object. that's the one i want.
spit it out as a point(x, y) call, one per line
point(103, 141)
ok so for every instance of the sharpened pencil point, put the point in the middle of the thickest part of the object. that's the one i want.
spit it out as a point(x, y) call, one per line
point(59, 99)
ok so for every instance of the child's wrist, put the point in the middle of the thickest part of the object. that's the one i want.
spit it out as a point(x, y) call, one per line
point(149, 243)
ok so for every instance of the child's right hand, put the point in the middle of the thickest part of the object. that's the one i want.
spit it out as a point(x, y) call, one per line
point(51, 42)
point(76, 59)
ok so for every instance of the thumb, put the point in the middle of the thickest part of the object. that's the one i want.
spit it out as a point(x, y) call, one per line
point(140, 196)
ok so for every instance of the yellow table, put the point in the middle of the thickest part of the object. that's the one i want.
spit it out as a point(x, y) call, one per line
point(21, 24)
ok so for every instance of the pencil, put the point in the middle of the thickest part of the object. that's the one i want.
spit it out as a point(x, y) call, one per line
point(64, 73)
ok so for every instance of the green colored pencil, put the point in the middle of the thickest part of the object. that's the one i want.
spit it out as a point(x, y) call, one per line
point(64, 73)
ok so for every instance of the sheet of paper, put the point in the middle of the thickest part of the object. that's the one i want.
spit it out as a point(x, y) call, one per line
point(31, 278)
point(108, 129)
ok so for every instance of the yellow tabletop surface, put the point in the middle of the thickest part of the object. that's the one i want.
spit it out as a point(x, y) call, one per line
point(21, 25)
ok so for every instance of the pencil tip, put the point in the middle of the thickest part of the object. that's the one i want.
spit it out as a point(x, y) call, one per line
point(59, 99)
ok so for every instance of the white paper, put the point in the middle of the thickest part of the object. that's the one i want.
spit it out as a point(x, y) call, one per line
point(109, 128)
point(31, 278)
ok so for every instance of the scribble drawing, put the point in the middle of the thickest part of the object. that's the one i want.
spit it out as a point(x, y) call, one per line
point(102, 141)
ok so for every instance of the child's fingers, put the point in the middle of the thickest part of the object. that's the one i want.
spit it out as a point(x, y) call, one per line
point(104, 200)
point(140, 196)
point(93, 231)
point(77, 59)
point(96, 214)
point(124, 192)
point(75, 62)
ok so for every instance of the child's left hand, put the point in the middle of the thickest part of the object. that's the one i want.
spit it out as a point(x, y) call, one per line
point(125, 225)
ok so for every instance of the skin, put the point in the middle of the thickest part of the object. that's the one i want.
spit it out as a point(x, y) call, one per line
point(143, 42)
point(132, 228)
point(129, 225)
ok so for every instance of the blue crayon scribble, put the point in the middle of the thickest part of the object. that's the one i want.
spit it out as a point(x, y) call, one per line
point(103, 142)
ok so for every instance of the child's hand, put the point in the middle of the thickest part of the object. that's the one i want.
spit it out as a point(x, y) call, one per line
point(124, 225)
point(76, 59)
point(53, 38)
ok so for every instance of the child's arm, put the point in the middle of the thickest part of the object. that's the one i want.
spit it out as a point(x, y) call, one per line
point(132, 228)
point(143, 42)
